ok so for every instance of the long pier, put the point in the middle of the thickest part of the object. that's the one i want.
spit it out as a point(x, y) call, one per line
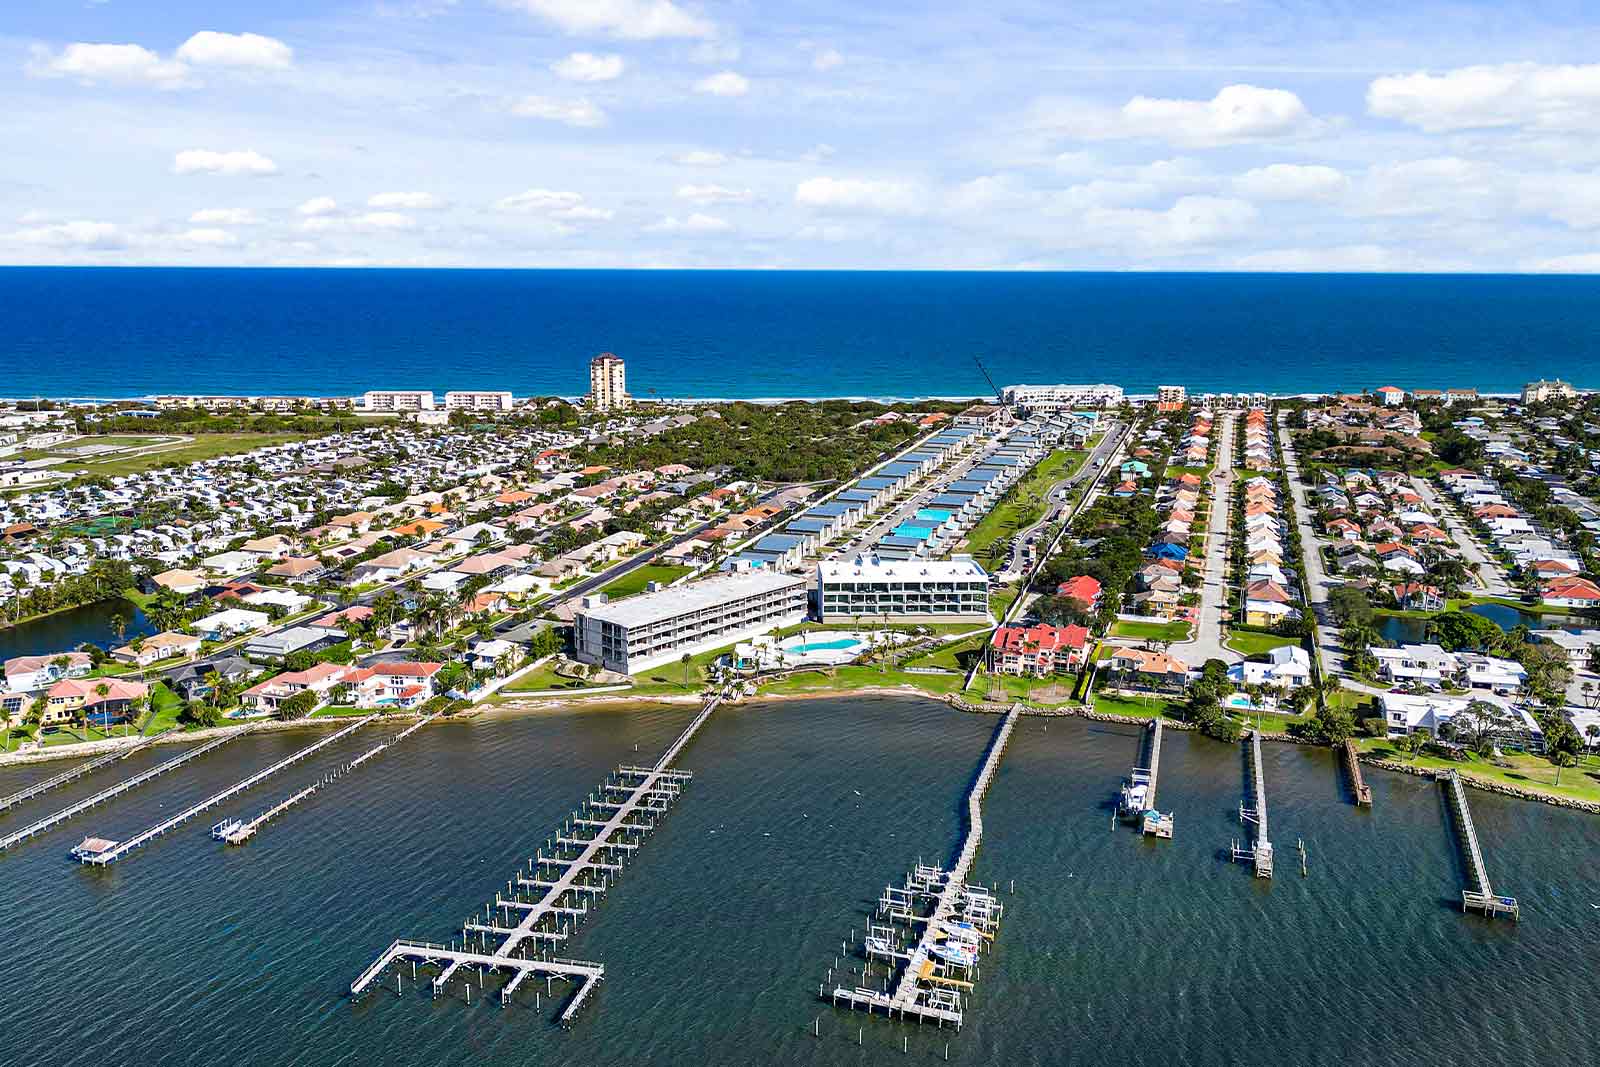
point(1480, 896)
point(1358, 783)
point(111, 852)
point(115, 791)
point(544, 902)
point(941, 962)
point(7, 803)
point(1260, 853)
point(1137, 802)
point(238, 831)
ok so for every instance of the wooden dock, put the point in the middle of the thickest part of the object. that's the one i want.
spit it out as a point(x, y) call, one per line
point(7, 803)
point(544, 902)
point(1137, 801)
point(932, 976)
point(1358, 783)
point(101, 857)
point(115, 791)
point(1260, 852)
point(238, 831)
point(1479, 894)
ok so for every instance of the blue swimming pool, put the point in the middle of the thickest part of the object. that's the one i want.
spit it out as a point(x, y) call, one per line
point(836, 645)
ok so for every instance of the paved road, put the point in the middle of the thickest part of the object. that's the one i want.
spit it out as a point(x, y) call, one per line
point(1091, 466)
point(1491, 576)
point(1329, 645)
point(1206, 640)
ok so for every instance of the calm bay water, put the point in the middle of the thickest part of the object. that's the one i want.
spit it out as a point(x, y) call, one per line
point(1115, 950)
point(131, 332)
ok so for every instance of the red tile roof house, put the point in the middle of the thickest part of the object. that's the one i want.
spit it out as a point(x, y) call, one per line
point(320, 680)
point(1081, 588)
point(64, 699)
point(1038, 650)
point(403, 684)
point(1572, 593)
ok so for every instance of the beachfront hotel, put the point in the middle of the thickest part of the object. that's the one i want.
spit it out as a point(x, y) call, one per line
point(1052, 399)
point(478, 400)
point(608, 382)
point(875, 589)
point(397, 400)
point(657, 628)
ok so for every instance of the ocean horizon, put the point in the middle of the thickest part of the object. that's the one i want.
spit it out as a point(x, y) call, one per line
point(120, 333)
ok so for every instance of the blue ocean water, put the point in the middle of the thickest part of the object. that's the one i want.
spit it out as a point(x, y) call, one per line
point(131, 332)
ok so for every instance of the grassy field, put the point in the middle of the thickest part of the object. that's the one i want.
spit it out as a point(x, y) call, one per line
point(1025, 503)
point(1253, 644)
point(163, 712)
point(1525, 772)
point(1001, 599)
point(861, 678)
point(545, 677)
point(1144, 709)
point(636, 581)
point(955, 656)
point(1151, 631)
point(203, 446)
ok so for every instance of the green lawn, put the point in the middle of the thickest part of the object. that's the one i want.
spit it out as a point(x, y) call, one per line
point(1144, 709)
point(163, 712)
point(861, 678)
point(1024, 504)
point(1526, 772)
point(1001, 599)
point(1247, 643)
point(955, 656)
point(545, 677)
point(637, 581)
point(1151, 631)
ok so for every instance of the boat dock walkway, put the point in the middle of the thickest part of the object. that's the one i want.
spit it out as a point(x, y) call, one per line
point(1137, 802)
point(117, 790)
point(7, 803)
point(238, 831)
point(1358, 783)
point(942, 959)
point(1259, 853)
point(544, 902)
point(109, 853)
point(1480, 896)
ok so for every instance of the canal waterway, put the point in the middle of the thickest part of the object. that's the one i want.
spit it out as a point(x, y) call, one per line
point(1114, 950)
point(64, 631)
point(1407, 630)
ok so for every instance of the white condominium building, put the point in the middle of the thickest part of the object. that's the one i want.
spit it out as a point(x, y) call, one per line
point(871, 589)
point(1170, 394)
point(608, 382)
point(476, 400)
point(653, 629)
point(397, 400)
point(1048, 399)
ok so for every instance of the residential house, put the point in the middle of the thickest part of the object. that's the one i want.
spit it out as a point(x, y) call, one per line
point(1038, 650)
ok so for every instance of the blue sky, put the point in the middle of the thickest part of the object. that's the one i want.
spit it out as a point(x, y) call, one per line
point(1090, 134)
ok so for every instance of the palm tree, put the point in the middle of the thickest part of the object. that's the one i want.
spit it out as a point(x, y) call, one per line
point(1416, 741)
point(1561, 758)
point(686, 659)
point(119, 625)
point(1592, 732)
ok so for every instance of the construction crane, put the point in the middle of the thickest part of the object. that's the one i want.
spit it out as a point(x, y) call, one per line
point(988, 379)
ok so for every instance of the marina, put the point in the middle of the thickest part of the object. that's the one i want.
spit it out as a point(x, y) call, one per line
point(1259, 852)
point(49, 821)
point(100, 852)
point(546, 902)
point(1479, 894)
point(954, 920)
point(1137, 800)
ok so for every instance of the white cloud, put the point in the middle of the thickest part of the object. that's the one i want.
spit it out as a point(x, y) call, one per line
point(1443, 185)
point(79, 234)
point(1289, 181)
point(1355, 258)
point(1511, 94)
point(1192, 221)
point(204, 161)
point(581, 113)
point(1580, 263)
point(724, 83)
point(1238, 114)
point(635, 20)
point(371, 221)
point(406, 202)
point(115, 63)
point(555, 204)
point(589, 67)
point(696, 224)
point(826, 59)
point(318, 205)
point(224, 216)
point(245, 51)
point(859, 194)
point(1573, 199)
point(700, 159)
point(714, 194)
point(209, 237)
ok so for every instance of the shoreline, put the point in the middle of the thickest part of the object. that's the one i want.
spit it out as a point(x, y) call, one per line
point(514, 707)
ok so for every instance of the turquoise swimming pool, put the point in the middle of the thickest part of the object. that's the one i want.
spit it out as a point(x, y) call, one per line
point(800, 644)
